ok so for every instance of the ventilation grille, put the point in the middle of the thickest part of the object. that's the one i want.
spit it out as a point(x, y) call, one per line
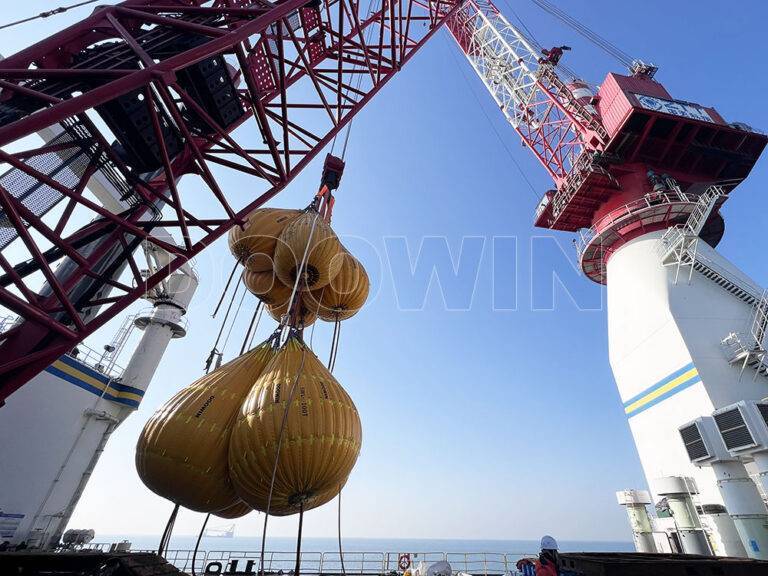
point(694, 444)
point(763, 408)
point(734, 430)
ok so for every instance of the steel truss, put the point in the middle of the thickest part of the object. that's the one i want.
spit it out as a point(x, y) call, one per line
point(301, 70)
point(540, 107)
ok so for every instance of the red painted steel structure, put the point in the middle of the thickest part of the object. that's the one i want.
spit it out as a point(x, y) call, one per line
point(302, 71)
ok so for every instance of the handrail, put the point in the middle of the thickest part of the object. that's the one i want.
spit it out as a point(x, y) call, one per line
point(85, 354)
point(586, 235)
point(365, 563)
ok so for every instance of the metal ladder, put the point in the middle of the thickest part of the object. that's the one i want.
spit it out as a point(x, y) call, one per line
point(748, 350)
point(678, 244)
point(114, 348)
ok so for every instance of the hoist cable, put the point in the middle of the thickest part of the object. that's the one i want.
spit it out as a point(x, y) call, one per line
point(280, 435)
point(250, 327)
point(215, 350)
point(519, 168)
point(299, 272)
point(258, 321)
point(297, 569)
point(47, 13)
point(234, 320)
point(338, 522)
point(604, 44)
point(369, 33)
point(166, 537)
point(333, 345)
point(197, 544)
point(226, 288)
point(527, 33)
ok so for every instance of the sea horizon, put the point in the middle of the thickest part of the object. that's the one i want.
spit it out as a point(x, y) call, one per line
point(329, 544)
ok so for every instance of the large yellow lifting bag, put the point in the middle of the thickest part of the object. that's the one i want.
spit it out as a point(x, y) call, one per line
point(267, 287)
point(254, 244)
point(308, 234)
point(182, 452)
point(346, 293)
point(320, 442)
point(235, 511)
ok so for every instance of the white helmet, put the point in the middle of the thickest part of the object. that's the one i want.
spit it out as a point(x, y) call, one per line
point(548, 543)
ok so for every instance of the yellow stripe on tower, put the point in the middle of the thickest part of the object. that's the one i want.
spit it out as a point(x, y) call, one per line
point(80, 375)
point(651, 396)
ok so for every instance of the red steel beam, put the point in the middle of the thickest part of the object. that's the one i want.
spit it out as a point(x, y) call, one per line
point(297, 104)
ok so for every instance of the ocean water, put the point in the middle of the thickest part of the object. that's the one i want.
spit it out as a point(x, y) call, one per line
point(394, 545)
point(362, 556)
point(383, 545)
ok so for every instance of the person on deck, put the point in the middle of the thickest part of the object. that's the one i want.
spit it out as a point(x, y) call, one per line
point(545, 564)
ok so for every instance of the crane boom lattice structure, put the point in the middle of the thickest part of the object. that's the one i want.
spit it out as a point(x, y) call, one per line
point(149, 91)
point(541, 108)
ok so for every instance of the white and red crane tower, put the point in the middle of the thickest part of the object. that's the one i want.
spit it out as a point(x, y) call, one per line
point(640, 176)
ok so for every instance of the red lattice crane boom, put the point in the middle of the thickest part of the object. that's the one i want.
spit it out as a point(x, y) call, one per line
point(148, 91)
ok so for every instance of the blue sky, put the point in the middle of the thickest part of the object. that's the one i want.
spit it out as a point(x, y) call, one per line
point(486, 422)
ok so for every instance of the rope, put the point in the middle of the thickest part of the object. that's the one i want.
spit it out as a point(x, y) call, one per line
point(250, 327)
point(226, 288)
point(300, 271)
point(280, 435)
point(166, 537)
point(197, 544)
point(258, 321)
point(607, 46)
point(333, 345)
point(368, 33)
point(297, 570)
point(493, 127)
point(48, 13)
point(341, 552)
point(215, 351)
point(234, 319)
point(531, 38)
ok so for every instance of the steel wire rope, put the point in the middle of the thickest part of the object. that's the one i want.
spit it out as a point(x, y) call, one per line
point(375, 4)
point(258, 321)
point(197, 544)
point(234, 320)
point(519, 168)
point(281, 433)
point(226, 289)
point(48, 13)
point(603, 43)
point(215, 350)
point(528, 34)
point(166, 537)
point(250, 327)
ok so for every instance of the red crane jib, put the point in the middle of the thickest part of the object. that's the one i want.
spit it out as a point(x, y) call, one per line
point(148, 91)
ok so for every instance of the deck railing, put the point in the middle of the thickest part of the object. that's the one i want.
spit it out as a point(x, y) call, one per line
point(356, 563)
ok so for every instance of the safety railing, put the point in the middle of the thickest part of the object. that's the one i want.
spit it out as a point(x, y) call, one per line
point(365, 563)
point(99, 361)
point(587, 235)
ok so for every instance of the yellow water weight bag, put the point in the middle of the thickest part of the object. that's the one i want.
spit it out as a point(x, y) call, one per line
point(320, 441)
point(182, 453)
point(254, 244)
point(345, 294)
point(308, 234)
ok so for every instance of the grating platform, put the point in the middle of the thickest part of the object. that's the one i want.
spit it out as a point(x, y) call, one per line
point(633, 564)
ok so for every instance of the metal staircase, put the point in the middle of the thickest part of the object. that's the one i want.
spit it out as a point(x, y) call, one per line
point(678, 248)
point(748, 349)
point(678, 245)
